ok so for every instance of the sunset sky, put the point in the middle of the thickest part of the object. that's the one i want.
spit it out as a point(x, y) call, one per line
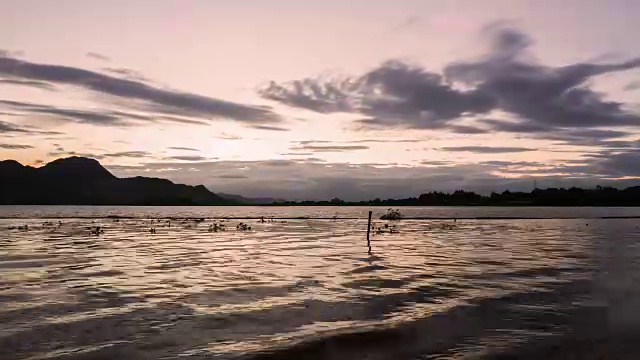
point(315, 99)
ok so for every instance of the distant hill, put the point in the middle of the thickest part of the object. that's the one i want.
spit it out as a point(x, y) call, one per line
point(250, 201)
point(83, 181)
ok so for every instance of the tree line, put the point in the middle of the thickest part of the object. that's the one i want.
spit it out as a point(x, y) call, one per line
point(599, 196)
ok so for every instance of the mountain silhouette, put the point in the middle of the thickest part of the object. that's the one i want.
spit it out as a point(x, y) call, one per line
point(83, 181)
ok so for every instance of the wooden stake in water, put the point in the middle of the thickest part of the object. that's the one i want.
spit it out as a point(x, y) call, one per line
point(368, 231)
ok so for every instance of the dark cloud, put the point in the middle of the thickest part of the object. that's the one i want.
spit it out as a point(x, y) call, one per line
point(134, 92)
point(15, 146)
point(487, 149)
point(187, 158)
point(29, 83)
point(538, 94)
point(538, 98)
point(97, 56)
point(127, 74)
point(127, 154)
point(91, 117)
point(436, 163)
point(179, 120)
point(395, 94)
point(6, 127)
point(182, 148)
point(269, 128)
point(620, 164)
point(94, 116)
point(10, 128)
point(500, 163)
point(311, 142)
point(329, 148)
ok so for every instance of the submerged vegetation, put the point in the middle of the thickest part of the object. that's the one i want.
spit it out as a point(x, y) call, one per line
point(392, 214)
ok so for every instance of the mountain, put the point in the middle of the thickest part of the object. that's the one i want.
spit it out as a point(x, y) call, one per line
point(83, 181)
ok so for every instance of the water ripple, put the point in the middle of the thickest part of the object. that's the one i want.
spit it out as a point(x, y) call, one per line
point(308, 289)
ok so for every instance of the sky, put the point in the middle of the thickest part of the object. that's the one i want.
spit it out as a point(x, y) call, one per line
point(319, 99)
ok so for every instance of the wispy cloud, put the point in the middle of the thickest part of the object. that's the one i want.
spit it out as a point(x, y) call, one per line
point(182, 148)
point(136, 93)
point(29, 83)
point(127, 154)
point(487, 149)
point(15, 146)
point(269, 128)
point(98, 56)
point(10, 128)
point(94, 116)
point(329, 148)
point(188, 158)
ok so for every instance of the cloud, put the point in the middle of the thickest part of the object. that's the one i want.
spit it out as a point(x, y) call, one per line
point(225, 136)
point(620, 164)
point(269, 128)
point(487, 149)
point(138, 94)
point(535, 98)
point(97, 56)
point(182, 148)
point(15, 146)
point(436, 163)
point(395, 94)
point(300, 179)
point(10, 128)
point(329, 148)
point(541, 95)
point(94, 116)
point(633, 85)
point(128, 74)
point(6, 127)
point(387, 141)
point(127, 154)
point(29, 83)
point(187, 158)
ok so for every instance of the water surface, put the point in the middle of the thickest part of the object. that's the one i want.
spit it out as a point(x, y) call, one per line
point(564, 282)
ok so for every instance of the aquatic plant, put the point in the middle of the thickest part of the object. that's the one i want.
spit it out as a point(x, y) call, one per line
point(392, 214)
point(243, 227)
